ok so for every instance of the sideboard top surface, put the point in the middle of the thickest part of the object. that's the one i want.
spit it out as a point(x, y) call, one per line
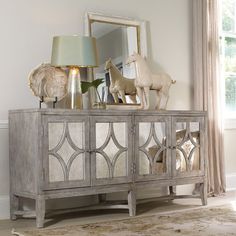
point(103, 112)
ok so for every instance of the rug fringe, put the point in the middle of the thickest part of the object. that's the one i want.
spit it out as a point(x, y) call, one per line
point(13, 232)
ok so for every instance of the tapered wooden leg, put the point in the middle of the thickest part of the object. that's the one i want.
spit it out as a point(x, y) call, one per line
point(132, 202)
point(141, 98)
point(203, 192)
point(40, 211)
point(14, 206)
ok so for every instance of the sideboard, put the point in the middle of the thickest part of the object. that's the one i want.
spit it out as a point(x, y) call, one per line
point(58, 153)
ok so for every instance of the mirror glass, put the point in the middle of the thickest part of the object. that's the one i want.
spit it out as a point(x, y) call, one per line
point(117, 39)
point(117, 42)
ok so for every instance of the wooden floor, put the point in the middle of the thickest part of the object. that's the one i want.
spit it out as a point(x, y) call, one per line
point(160, 207)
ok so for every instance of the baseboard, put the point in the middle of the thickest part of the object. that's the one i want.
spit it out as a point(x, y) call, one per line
point(3, 124)
point(5, 207)
point(231, 182)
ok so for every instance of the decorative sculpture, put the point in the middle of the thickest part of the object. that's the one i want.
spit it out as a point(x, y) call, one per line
point(119, 84)
point(48, 82)
point(145, 81)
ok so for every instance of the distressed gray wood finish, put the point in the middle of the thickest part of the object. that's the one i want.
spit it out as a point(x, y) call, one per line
point(30, 150)
point(132, 201)
point(40, 210)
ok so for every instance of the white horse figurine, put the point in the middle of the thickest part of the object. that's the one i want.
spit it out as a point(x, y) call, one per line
point(119, 84)
point(146, 81)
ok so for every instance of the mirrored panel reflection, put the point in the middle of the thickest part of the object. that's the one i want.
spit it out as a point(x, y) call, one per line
point(111, 150)
point(120, 168)
point(195, 135)
point(56, 172)
point(116, 42)
point(152, 148)
point(102, 168)
point(66, 151)
point(77, 168)
point(144, 164)
point(187, 146)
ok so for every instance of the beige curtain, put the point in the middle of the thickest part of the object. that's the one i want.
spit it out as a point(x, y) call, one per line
point(207, 84)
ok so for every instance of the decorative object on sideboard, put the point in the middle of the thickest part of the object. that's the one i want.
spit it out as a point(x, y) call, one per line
point(85, 86)
point(146, 80)
point(48, 83)
point(74, 52)
point(119, 85)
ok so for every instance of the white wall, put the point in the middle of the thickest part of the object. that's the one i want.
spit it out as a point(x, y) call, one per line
point(27, 28)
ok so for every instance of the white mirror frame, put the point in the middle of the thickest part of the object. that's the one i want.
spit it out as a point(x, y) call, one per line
point(139, 24)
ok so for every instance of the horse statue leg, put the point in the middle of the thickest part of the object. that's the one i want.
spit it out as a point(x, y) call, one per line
point(141, 96)
point(122, 94)
point(164, 96)
point(115, 96)
point(146, 95)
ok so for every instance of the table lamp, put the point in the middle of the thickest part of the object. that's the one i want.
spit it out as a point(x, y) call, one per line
point(74, 52)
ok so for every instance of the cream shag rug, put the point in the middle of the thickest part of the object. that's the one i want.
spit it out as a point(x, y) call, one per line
point(212, 221)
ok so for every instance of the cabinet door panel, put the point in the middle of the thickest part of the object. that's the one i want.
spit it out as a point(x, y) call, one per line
point(188, 153)
point(56, 170)
point(66, 160)
point(112, 146)
point(152, 138)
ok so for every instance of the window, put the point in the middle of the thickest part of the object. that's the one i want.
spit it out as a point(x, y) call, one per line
point(228, 54)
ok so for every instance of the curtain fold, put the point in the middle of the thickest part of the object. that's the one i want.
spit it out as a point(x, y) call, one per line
point(207, 86)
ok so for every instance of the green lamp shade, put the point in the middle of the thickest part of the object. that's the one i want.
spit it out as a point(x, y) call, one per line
point(78, 51)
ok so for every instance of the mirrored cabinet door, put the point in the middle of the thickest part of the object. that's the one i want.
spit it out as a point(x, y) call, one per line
point(188, 153)
point(111, 155)
point(152, 139)
point(65, 145)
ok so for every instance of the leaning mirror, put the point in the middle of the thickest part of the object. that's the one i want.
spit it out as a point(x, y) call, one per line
point(117, 39)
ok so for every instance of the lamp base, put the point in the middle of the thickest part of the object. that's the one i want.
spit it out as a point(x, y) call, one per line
point(74, 101)
point(74, 95)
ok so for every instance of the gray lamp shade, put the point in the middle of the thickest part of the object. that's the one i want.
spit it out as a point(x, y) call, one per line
point(79, 51)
